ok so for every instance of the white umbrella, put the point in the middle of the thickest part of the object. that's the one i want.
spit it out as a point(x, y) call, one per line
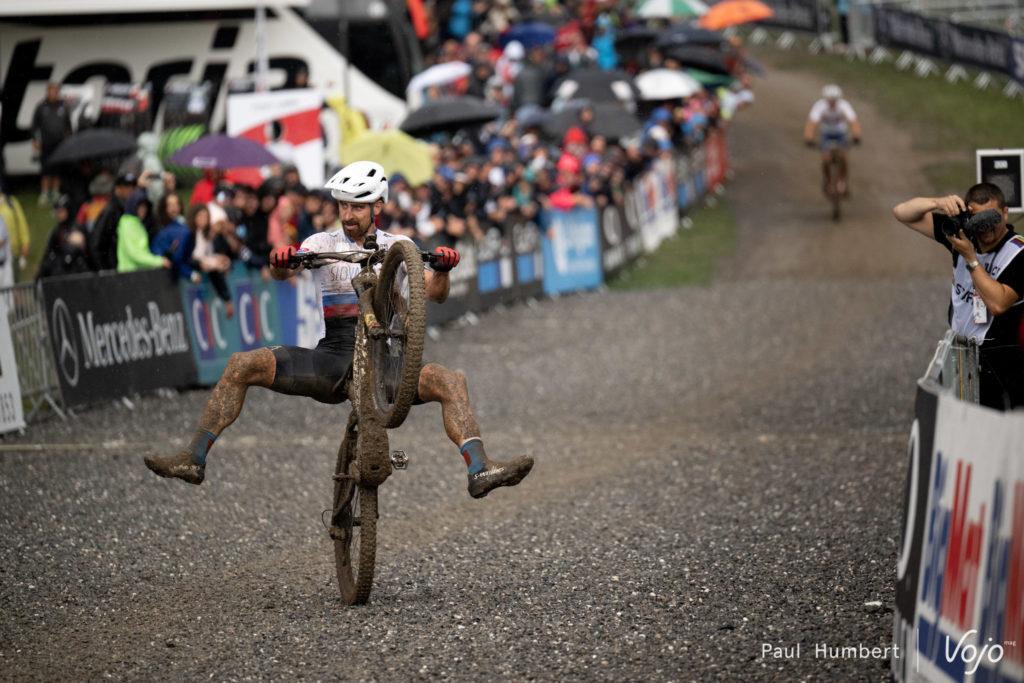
point(439, 74)
point(650, 9)
point(666, 84)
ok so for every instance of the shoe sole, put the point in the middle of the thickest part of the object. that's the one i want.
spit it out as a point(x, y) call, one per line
point(153, 467)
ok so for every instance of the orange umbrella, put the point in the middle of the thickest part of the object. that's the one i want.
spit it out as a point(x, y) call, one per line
point(733, 12)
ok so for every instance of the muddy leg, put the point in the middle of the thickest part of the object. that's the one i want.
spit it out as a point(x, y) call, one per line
point(244, 369)
point(447, 387)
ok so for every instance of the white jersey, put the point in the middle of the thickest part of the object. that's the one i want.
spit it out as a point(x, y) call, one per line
point(334, 281)
point(832, 119)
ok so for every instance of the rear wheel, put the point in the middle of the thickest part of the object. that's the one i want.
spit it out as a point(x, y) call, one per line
point(400, 307)
point(353, 525)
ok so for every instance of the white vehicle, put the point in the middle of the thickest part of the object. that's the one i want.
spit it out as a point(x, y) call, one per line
point(86, 45)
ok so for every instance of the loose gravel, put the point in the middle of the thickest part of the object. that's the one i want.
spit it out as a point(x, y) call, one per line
point(719, 481)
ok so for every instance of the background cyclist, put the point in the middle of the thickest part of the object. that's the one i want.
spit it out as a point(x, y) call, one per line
point(836, 117)
point(322, 373)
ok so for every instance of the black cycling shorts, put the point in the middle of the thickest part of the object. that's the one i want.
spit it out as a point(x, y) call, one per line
point(323, 373)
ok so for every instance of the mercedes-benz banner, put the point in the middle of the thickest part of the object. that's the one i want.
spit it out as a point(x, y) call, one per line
point(116, 335)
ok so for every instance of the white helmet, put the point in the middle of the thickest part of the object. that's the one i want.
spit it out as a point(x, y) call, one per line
point(831, 92)
point(363, 182)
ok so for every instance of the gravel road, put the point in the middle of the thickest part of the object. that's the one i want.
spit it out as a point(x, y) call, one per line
point(719, 479)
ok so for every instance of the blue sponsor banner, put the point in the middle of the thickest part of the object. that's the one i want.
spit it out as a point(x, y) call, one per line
point(572, 250)
point(215, 336)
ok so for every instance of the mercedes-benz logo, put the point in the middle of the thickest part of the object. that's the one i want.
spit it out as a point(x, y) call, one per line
point(62, 328)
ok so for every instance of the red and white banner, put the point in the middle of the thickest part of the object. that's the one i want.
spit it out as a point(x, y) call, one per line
point(286, 122)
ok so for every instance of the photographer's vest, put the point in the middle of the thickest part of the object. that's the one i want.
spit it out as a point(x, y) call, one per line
point(970, 317)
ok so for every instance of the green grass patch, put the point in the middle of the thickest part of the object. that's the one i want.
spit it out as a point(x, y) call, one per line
point(950, 120)
point(688, 258)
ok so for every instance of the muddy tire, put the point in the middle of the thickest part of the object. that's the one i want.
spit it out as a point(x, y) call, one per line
point(353, 527)
point(400, 307)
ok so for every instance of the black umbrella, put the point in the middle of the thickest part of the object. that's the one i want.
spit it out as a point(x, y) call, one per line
point(610, 120)
point(449, 114)
point(703, 58)
point(596, 85)
point(93, 143)
point(635, 37)
point(689, 34)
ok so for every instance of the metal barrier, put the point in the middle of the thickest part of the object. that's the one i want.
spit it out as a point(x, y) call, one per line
point(36, 377)
point(955, 367)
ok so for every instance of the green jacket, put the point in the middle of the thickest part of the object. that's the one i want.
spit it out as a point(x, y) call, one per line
point(133, 246)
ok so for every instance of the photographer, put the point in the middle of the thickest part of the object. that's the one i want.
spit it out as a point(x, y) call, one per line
point(988, 281)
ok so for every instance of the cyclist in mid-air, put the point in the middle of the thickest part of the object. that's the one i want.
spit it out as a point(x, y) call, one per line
point(324, 373)
point(836, 117)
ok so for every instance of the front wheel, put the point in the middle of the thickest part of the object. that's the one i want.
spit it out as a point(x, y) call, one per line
point(353, 525)
point(400, 306)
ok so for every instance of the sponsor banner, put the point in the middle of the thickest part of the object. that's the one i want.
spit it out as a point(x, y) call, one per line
point(686, 190)
point(801, 15)
point(616, 237)
point(256, 321)
point(527, 255)
point(286, 122)
point(299, 312)
point(572, 250)
point(213, 47)
point(11, 414)
point(905, 31)
point(495, 269)
point(949, 41)
point(960, 572)
point(716, 159)
point(972, 46)
point(118, 334)
point(464, 294)
point(657, 212)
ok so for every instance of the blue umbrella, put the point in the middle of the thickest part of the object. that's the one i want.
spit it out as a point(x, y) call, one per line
point(530, 34)
point(223, 152)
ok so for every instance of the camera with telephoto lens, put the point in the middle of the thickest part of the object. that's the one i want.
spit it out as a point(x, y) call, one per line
point(971, 224)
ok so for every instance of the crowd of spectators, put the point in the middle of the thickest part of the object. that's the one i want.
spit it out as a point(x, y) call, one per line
point(485, 177)
point(519, 163)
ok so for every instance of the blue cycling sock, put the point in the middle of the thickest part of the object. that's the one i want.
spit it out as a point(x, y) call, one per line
point(473, 454)
point(200, 445)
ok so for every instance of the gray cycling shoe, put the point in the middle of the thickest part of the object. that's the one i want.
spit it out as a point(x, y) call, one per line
point(179, 466)
point(499, 474)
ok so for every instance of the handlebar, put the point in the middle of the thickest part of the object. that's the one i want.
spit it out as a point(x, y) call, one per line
point(314, 259)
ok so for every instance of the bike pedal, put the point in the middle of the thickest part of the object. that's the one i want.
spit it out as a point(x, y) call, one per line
point(399, 460)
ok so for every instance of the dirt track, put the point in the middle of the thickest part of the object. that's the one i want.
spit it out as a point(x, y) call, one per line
point(718, 469)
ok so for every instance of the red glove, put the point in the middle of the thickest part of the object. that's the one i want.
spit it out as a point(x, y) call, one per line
point(446, 259)
point(281, 257)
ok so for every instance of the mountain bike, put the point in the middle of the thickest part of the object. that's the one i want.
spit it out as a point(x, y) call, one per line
point(385, 373)
point(834, 171)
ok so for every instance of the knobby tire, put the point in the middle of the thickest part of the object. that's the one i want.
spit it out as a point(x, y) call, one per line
point(354, 526)
point(400, 306)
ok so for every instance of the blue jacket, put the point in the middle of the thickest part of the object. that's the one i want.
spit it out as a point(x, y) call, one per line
point(176, 242)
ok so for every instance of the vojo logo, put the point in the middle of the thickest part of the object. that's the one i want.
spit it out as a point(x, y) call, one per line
point(65, 343)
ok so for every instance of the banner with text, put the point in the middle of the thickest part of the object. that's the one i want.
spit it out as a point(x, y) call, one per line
point(116, 335)
point(960, 572)
point(11, 414)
